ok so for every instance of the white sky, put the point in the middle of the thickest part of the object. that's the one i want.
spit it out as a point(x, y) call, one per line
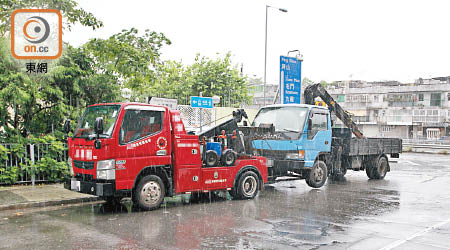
point(340, 40)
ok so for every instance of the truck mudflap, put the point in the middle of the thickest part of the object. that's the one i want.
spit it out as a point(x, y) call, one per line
point(88, 187)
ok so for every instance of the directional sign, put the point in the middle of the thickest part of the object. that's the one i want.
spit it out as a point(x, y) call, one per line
point(201, 102)
point(170, 103)
point(290, 79)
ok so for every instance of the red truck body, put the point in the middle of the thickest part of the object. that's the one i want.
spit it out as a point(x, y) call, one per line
point(164, 149)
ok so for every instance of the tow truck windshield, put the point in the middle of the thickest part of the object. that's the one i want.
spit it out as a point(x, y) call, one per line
point(85, 127)
point(284, 119)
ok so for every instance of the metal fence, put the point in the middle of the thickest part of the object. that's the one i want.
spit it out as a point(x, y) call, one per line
point(19, 155)
point(426, 141)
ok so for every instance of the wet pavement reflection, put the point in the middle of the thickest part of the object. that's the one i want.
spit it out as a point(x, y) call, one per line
point(354, 213)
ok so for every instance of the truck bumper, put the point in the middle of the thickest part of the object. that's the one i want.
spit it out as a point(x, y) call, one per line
point(282, 167)
point(90, 187)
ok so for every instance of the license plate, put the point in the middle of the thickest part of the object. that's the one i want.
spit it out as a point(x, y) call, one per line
point(75, 185)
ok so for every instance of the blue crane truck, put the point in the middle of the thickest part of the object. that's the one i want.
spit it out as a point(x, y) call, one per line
point(299, 142)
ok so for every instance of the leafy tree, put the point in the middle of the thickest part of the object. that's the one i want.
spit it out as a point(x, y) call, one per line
point(71, 13)
point(307, 81)
point(209, 76)
point(132, 60)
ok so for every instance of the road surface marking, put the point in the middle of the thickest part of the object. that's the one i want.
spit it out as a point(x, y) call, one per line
point(410, 162)
point(426, 230)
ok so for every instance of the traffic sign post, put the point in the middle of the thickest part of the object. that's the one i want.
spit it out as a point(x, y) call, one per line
point(290, 80)
point(201, 102)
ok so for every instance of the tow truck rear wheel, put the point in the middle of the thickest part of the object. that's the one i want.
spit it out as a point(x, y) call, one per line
point(247, 187)
point(318, 175)
point(149, 193)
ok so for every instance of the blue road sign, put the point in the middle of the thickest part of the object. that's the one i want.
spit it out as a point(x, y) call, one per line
point(290, 79)
point(201, 102)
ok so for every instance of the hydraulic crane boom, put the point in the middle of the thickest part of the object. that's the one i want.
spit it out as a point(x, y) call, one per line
point(317, 90)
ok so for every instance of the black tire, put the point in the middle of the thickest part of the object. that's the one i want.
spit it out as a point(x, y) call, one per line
point(228, 157)
point(211, 158)
point(381, 168)
point(247, 187)
point(318, 175)
point(369, 170)
point(149, 193)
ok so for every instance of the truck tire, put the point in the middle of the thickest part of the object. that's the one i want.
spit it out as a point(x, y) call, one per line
point(380, 168)
point(369, 171)
point(149, 193)
point(211, 158)
point(318, 175)
point(247, 187)
point(228, 157)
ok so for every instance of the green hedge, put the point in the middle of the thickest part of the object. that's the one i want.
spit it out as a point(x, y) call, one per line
point(51, 164)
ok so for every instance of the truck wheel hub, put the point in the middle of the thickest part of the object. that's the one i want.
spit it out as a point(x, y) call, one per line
point(151, 192)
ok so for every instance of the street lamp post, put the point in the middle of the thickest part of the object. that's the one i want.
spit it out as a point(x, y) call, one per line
point(265, 50)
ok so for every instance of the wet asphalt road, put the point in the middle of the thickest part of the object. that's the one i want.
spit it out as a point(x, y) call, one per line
point(410, 209)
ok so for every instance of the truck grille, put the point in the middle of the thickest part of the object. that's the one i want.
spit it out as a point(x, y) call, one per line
point(84, 177)
point(83, 164)
point(275, 154)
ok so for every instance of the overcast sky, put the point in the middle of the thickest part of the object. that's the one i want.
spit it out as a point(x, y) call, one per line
point(340, 40)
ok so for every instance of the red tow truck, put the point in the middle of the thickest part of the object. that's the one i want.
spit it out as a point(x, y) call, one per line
point(143, 151)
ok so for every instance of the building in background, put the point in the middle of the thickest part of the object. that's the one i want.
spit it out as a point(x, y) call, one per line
point(419, 110)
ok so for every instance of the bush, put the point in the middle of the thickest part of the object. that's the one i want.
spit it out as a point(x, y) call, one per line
point(51, 163)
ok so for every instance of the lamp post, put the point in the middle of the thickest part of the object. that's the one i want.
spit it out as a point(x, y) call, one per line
point(265, 51)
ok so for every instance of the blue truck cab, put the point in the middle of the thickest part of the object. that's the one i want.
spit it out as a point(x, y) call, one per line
point(300, 143)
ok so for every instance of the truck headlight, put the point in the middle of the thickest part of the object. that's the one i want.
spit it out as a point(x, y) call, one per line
point(70, 162)
point(300, 155)
point(106, 170)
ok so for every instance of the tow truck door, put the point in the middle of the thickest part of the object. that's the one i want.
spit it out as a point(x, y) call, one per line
point(143, 140)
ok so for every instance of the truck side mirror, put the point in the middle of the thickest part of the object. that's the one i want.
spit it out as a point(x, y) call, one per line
point(309, 124)
point(67, 126)
point(98, 126)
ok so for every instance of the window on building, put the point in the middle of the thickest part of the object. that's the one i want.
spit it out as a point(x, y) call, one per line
point(386, 129)
point(435, 99)
point(420, 97)
point(375, 98)
point(448, 96)
point(341, 98)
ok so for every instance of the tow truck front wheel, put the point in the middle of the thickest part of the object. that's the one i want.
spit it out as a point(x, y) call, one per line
point(149, 193)
point(318, 175)
point(247, 186)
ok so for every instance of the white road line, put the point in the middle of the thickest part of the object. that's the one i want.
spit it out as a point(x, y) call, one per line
point(410, 162)
point(399, 242)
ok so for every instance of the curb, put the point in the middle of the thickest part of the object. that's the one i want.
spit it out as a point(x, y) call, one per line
point(47, 203)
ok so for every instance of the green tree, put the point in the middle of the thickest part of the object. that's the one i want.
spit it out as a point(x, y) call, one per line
point(209, 76)
point(68, 8)
point(130, 58)
point(35, 103)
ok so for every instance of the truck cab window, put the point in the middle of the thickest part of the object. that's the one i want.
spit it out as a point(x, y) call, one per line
point(319, 122)
point(138, 124)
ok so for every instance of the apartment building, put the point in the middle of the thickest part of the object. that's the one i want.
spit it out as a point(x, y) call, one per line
point(391, 109)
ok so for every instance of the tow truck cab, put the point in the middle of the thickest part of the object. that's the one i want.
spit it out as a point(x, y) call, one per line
point(303, 133)
point(142, 150)
point(133, 136)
